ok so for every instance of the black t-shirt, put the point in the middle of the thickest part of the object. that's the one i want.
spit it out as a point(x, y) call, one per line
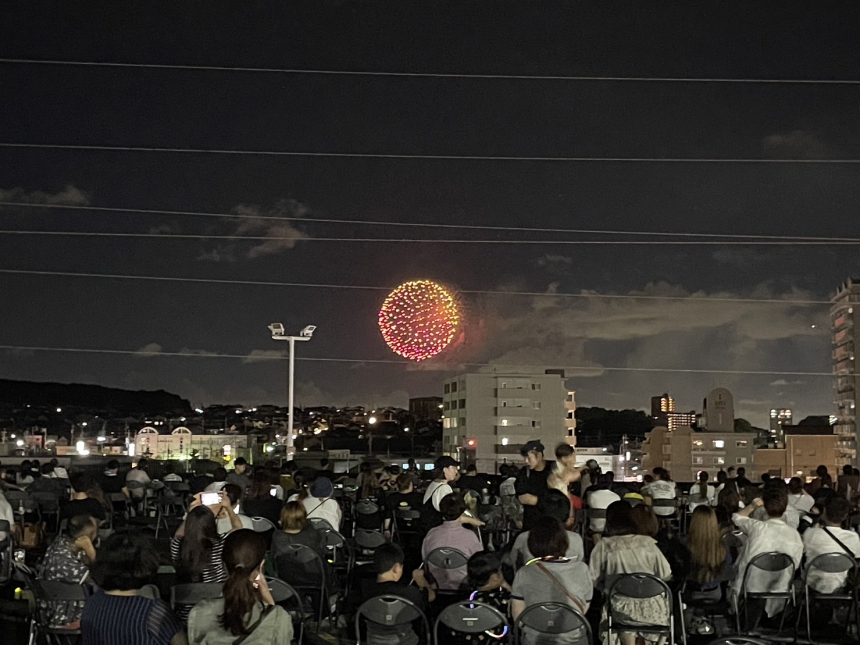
point(88, 506)
point(404, 633)
point(112, 483)
point(398, 500)
point(532, 482)
point(268, 507)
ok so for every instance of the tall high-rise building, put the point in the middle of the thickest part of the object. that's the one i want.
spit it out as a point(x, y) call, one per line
point(663, 413)
point(843, 326)
point(779, 417)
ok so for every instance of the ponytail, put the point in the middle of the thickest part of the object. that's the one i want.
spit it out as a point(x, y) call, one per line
point(239, 600)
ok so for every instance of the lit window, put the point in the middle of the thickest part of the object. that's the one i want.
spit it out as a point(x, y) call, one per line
point(741, 460)
point(504, 422)
point(719, 461)
point(742, 444)
point(719, 444)
point(698, 461)
point(698, 443)
point(535, 424)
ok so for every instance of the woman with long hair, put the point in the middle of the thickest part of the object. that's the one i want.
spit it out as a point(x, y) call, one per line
point(700, 492)
point(730, 500)
point(196, 546)
point(708, 554)
point(261, 502)
point(247, 609)
point(369, 485)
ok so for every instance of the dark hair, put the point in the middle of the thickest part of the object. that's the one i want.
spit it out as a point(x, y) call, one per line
point(555, 504)
point(324, 462)
point(471, 468)
point(219, 474)
point(261, 484)
point(79, 481)
point(644, 520)
point(113, 464)
point(481, 567)
point(742, 471)
point(240, 461)
point(821, 471)
point(836, 510)
point(452, 507)
point(563, 450)
point(47, 468)
point(126, 561)
point(78, 525)
point(604, 481)
point(404, 481)
point(386, 556)
point(722, 477)
point(795, 485)
point(827, 480)
point(729, 499)
point(547, 538)
point(201, 532)
point(775, 499)
point(244, 552)
point(233, 492)
point(618, 519)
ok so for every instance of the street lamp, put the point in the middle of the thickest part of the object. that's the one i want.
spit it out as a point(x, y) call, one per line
point(305, 334)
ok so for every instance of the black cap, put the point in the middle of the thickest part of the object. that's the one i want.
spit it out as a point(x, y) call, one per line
point(532, 445)
point(445, 461)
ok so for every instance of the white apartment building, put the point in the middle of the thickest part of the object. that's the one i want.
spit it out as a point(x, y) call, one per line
point(487, 417)
point(843, 328)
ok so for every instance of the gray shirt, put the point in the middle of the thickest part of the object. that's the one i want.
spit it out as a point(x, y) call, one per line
point(204, 627)
point(520, 553)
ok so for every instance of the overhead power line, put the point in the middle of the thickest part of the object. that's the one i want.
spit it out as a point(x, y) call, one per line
point(517, 77)
point(475, 227)
point(455, 365)
point(391, 240)
point(307, 285)
point(371, 155)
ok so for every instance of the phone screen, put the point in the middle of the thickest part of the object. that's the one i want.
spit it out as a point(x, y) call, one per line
point(273, 492)
point(210, 499)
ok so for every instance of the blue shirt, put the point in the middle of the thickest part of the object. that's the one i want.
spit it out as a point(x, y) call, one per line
point(127, 620)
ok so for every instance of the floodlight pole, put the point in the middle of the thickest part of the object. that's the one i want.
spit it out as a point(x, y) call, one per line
point(278, 334)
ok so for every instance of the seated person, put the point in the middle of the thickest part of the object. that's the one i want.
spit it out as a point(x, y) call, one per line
point(487, 585)
point(137, 473)
point(68, 560)
point(48, 484)
point(599, 498)
point(763, 537)
point(388, 564)
point(247, 608)
point(829, 537)
point(81, 502)
point(554, 504)
point(219, 479)
point(405, 495)
point(111, 482)
point(261, 500)
point(791, 516)
point(225, 524)
point(321, 503)
point(126, 563)
point(700, 493)
point(297, 530)
point(451, 534)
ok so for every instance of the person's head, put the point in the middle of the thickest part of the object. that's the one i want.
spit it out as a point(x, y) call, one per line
point(821, 471)
point(703, 477)
point(219, 474)
point(446, 468)
point(731, 472)
point(471, 470)
point(485, 571)
point(126, 562)
point(244, 554)
point(722, 477)
point(201, 532)
point(388, 561)
point(532, 452)
point(619, 520)
point(112, 466)
point(826, 481)
point(836, 511)
point(775, 499)
point(324, 463)
point(765, 477)
point(547, 538)
point(261, 484)
point(795, 486)
point(565, 454)
point(611, 477)
point(322, 488)
point(404, 483)
point(79, 481)
point(293, 516)
point(452, 507)
point(603, 481)
point(592, 466)
point(233, 492)
point(847, 470)
point(705, 544)
point(556, 505)
point(82, 526)
point(729, 499)
point(647, 479)
point(742, 472)
point(240, 465)
point(47, 469)
point(644, 520)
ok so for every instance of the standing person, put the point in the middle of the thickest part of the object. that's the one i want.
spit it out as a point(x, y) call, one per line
point(741, 480)
point(589, 475)
point(848, 483)
point(247, 610)
point(68, 560)
point(532, 480)
point(556, 505)
point(445, 472)
point(830, 537)
point(126, 563)
point(239, 474)
point(511, 506)
point(565, 471)
point(722, 478)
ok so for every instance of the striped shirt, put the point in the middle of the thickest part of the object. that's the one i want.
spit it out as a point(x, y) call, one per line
point(129, 620)
point(214, 571)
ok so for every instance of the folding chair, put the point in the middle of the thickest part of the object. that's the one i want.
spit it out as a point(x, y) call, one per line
point(302, 568)
point(366, 542)
point(368, 516)
point(282, 594)
point(137, 503)
point(261, 524)
point(391, 611)
point(49, 504)
point(471, 618)
point(830, 563)
point(320, 524)
point(188, 595)
point(640, 586)
point(738, 640)
point(405, 524)
point(446, 558)
point(775, 563)
point(553, 619)
point(672, 519)
point(712, 608)
point(48, 591)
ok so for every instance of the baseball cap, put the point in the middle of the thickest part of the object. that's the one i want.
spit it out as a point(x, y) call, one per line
point(445, 461)
point(531, 446)
point(322, 487)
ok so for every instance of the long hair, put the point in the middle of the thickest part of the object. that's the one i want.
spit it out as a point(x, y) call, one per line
point(703, 487)
point(261, 484)
point(729, 499)
point(201, 532)
point(644, 520)
point(619, 520)
point(244, 551)
point(369, 484)
point(706, 545)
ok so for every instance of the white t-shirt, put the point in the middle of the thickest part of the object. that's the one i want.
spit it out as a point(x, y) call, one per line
point(436, 491)
point(662, 489)
point(802, 502)
point(327, 509)
point(695, 499)
point(6, 513)
point(816, 542)
point(600, 499)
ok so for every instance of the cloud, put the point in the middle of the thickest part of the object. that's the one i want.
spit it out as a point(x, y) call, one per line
point(258, 222)
point(781, 382)
point(550, 259)
point(259, 355)
point(69, 195)
point(795, 144)
point(185, 351)
point(149, 350)
point(738, 257)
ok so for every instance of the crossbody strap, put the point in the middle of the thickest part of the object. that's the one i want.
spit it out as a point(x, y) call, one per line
point(576, 601)
point(840, 543)
point(268, 610)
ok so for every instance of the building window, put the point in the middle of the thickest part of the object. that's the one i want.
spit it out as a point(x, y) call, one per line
point(462, 422)
point(535, 386)
point(698, 443)
point(454, 386)
point(536, 405)
point(719, 444)
point(446, 422)
point(741, 460)
point(504, 384)
point(454, 404)
point(719, 461)
point(447, 388)
point(535, 424)
point(446, 406)
point(667, 449)
point(453, 422)
point(504, 404)
point(504, 422)
point(698, 461)
point(462, 404)
point(741, 444)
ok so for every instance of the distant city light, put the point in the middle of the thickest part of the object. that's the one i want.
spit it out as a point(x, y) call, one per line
point(405, 429)
point(504, 441)
point(198, 410)
point(81, 447)
point(59, 410)
point(101, 439)
point(372, 420)
point(84, 424)
point(19, 443)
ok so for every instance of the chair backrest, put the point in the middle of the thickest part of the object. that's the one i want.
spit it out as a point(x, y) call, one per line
point(300, 566)
point(665, 502)
point(369, 540)
point(641, 586)
point(596, 513)
point(447, 558)
point(48, 502)
point(261, 524)
point(831, 563)
point(16, 496)
point(282, 591)
point(192, 593)
point(333, 539)
point(133, 484)
point(390, 610)
point(54, 591)
point(772, 562)
point(320, 524)
point(117, 497)
point(554, 618)
point(472, 618)
point(366, 507)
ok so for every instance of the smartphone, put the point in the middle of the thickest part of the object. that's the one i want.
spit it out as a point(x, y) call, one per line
point(273, 492)
point(210, 499)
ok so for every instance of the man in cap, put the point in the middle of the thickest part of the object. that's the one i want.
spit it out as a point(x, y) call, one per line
point(532, 481)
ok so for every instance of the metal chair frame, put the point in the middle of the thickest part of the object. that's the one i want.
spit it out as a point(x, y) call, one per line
point(281, 592)
point(444, 557)
point(53, 591)
point(189, 594)
point(523, 620)
point(836, 562)
point(773, 558)
point(291, 554)
point(387, 615)
point(641, 585)
point(471, 617)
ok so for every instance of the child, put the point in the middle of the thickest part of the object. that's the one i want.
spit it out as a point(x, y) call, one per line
point(488, 586)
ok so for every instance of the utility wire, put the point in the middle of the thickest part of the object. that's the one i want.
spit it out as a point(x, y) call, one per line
point(518, 77)
point(389, 240)
point(320, 220)
point(369, 155)
point(544, 294)
point(455, 365)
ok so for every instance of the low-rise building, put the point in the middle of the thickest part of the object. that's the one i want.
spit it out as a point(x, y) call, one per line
point(684, 452)
point(806, 447)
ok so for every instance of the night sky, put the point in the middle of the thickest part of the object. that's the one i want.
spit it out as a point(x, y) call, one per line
point(241, 110)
